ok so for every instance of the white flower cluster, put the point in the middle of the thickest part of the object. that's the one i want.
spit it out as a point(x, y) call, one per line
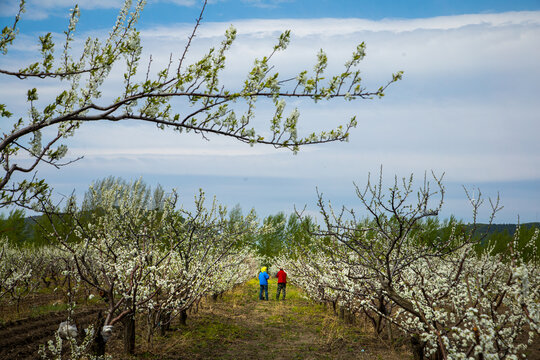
point(14, 270)
point(78, 350)
point(24, 269)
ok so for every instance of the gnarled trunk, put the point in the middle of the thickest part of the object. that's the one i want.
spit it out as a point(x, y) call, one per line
point(129, 333)
point(98, 345)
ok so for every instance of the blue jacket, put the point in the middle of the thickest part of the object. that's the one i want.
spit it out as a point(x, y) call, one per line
point(263, 278)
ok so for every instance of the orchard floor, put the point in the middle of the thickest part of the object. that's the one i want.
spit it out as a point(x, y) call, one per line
point(236, 326)
point(239, 326)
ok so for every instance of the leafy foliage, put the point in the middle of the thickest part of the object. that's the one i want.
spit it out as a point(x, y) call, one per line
point(14, 227)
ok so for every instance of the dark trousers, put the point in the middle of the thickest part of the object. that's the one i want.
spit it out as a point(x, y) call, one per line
point(281, 286)
point(265, 289)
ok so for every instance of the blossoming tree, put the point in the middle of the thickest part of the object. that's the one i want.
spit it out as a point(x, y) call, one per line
point(208, 106)
point(454, 302)
point(142, 255)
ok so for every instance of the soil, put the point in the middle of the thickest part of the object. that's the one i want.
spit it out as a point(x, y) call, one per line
point(21, 339)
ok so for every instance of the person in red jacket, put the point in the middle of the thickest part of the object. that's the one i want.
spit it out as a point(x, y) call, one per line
point(281, 283)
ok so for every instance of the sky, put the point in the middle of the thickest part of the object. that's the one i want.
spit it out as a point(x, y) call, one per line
point(467, 105)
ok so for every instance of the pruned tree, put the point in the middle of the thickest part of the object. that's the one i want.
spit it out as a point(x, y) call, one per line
point(159, 260)
point(209, 107)
point(410, 275)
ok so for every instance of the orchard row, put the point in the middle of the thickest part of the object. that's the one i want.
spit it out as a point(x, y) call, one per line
point(444, 290)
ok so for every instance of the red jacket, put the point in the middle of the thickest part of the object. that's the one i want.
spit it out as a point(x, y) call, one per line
point(281, 277)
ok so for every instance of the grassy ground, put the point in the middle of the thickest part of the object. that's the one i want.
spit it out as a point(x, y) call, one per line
point(239, 326)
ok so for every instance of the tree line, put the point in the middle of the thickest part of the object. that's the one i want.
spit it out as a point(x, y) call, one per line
point(288, 230)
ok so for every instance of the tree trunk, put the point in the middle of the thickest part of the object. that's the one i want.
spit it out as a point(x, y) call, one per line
point(183, 317)
point(390, 334)
point(164, 322)
point(129, 333)
point(438, 354)
point(381, 315)
point(349, 317)
point(417, 348)
point(341, 312)
point(98, 345)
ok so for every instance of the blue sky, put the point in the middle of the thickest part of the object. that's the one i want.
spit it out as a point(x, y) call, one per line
point(167, 11)
point(468, 104)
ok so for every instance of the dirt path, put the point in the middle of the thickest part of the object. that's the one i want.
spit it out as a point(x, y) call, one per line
point(239, 326)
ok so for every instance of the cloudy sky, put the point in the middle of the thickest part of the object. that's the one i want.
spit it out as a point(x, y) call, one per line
point(468, 105)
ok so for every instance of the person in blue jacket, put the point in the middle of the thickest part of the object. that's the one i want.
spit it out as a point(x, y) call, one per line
point(263, 281)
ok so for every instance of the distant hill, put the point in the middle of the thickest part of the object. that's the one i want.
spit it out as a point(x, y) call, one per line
point(499, 228)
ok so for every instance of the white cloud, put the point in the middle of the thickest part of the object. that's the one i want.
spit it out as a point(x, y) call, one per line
point(9, 7)
point(342, 27)
point(462, 45)
point(467, 105)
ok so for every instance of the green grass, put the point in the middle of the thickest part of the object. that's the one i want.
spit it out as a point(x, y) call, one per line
point(240, 326)
point(45, 309)
point(212, 330)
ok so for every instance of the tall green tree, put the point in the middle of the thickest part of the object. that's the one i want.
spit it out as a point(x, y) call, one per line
point(15, 227)
point(284, 233)
point(270, 243)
